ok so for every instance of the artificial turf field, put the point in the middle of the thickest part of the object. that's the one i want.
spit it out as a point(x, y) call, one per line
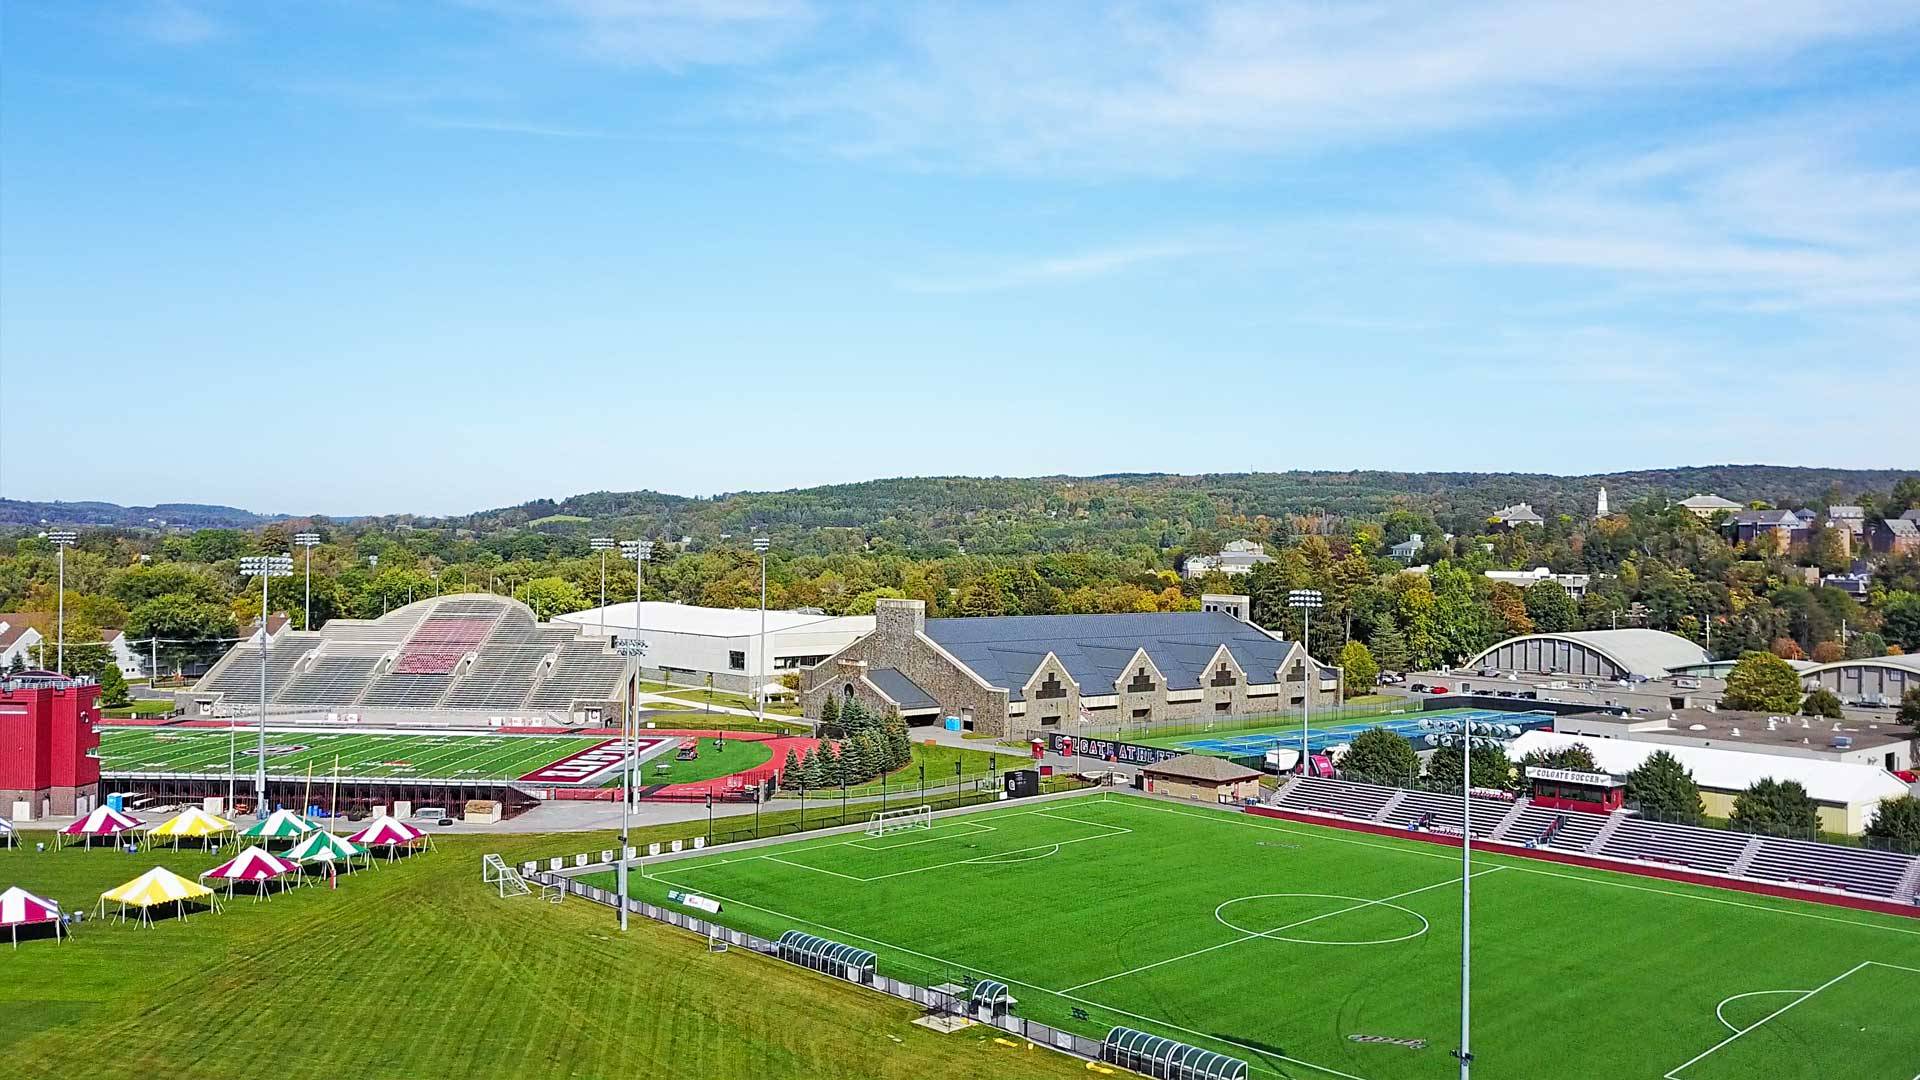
point(1280, 943)
point(437, 757)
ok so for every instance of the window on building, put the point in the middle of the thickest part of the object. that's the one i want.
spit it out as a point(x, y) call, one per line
point(1049, 721)
point(737, 660)
point(1223, 676)
point(1141, 683)
point(1142, 714)
point(1050, 687)
point(1298, 672)
point(795, 663)
point(1222, 706)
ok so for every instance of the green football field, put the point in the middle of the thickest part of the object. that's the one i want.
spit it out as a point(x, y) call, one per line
point(1319, 952)
point(292, 753)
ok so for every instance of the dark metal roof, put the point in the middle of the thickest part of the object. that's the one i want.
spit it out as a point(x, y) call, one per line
point(903, 691)
point(1005, 650)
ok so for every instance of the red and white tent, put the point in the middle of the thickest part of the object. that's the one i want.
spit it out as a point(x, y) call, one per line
point(390, 833)
point(19, 908)
point(104, 821)
point(255, 864)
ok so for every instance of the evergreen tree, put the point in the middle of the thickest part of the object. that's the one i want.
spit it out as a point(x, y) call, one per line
point(1552, 608)
point(1762, 682)
point(1390, 647)
point(1776, 807)
point(1866, 646)
point(1822, 702)
point(830, 716)
point(834, 772)
point(865, 757)
point(814, 770)
point(790, 773)
point(1491, 767)
point(113, 687)
point(18, 664)
point(1665, 791)
point(1909, 713)
point(899, 745)
point(854, 717)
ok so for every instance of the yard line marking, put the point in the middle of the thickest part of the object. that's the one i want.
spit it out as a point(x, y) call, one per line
point(1154, 1020)
point(1673, 1074)
point(1245, 821)
point(1275, 930)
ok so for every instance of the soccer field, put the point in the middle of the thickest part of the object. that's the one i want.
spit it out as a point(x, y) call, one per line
point(370, 755)
point(1319, 952)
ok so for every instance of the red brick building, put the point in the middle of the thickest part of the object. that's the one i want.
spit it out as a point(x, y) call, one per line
point(48, 737)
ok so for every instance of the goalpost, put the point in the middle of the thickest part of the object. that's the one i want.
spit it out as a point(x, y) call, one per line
point(892, 821)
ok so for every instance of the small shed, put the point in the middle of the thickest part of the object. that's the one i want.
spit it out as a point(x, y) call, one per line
point(1201, 779)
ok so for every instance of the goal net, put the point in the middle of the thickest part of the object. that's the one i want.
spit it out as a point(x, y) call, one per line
point(892, 821)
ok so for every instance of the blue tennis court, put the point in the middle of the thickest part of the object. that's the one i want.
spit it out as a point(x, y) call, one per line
point(1412, 725)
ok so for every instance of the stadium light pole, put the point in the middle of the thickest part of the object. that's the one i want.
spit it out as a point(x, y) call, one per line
point(760, 546)
point(309, 541)
point(266, 568)
point(604, 544)
point(632, 648)
point(1305, 600)
point(61, 539)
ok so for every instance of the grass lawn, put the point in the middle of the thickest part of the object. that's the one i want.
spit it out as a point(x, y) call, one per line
point(1307, 950)
point(738, 755)
point(728, 700)
point(140, 707)
point(470, 985)
point(446, 757)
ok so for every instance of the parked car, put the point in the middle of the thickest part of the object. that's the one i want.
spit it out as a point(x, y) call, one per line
point(1418, 688)
point(1436, 688)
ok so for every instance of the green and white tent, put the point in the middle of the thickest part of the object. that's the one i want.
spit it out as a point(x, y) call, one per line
point(279, 825)
point(326, 849)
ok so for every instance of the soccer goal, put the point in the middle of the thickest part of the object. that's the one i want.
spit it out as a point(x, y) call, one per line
point(495, 871)
point(892, 821)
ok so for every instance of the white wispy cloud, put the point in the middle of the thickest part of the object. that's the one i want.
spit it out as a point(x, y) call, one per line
point(171, 22)
point(1061, 268)
point(670, 34)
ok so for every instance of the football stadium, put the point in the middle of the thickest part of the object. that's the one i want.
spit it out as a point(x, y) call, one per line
point(1299, 950)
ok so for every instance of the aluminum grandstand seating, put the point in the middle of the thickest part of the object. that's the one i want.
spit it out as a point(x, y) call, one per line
point(1574, 832)
point(1363, 802)
point(402, 691)
point(333, 679)
point(441, 642)
point(238, 674)
point(1686, 845)
point(583, 669)
point(1861, 870)
point(1442, 812)
point(507, 663)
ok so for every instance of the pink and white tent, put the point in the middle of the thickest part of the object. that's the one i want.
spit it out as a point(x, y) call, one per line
point(104, 821)
point(390, 833)
point(19, 908)
point(254, 864)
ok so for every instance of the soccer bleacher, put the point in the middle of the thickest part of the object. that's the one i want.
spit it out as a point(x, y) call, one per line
point(1861, 870)
point(1362, 802)
point(1567, 830)
point(1442, 812)
point(1684, 845)
point(412, 658)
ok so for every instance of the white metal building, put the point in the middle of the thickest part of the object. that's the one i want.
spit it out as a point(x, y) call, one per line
point(686, 643)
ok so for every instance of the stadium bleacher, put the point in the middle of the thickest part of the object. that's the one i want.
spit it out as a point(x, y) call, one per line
point(414, 658)
point(1864, 871)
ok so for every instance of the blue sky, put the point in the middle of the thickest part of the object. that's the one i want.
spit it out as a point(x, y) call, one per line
point(448, 256)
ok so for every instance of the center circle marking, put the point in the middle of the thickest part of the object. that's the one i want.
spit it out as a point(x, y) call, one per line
point(1360, 903)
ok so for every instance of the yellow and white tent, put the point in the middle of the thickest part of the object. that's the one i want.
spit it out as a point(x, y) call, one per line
point(152, 889)
point(192, 823)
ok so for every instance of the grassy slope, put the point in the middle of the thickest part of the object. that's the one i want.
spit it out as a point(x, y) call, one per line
point(476, 985)
point(1578, 973)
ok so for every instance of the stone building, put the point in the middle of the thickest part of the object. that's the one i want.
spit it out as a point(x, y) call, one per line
point(1009, 675)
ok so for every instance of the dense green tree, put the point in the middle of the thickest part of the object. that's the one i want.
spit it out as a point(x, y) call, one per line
point(1822, 702)
point(1552, 608)
point(830, 715)
point(181, 617)
point(1909, 713)
point(1762, 682)
point(1491, 767)
point(551, 596)
point(1390, 646)
point(792, 772)
point(113, 688)
point(1898, 819)
point(1382, 756)
point(1356, 664)
point(1900, 620)
point(1665, 790)
point(1776, 807)
point(1576, 758)
point(1865, 646)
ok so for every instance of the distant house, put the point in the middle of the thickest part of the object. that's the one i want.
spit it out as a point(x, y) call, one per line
point(1898, 536)
point(1911, 515)
point(1705, 506)
point(1407, 550)
point(1807, 516)
point(1854, 584)
point(1512, 517)
point(18, 640)
point(131, 664)
point(1237, 557)
point(1784, 525)
point(1853, 518)
point(21, 631)
point(1576, 584)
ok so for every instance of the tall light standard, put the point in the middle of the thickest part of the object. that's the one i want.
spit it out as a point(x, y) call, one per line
point(61, 539)
point(633, 649)
point(264, 567)
point(1305, 600)
point(604, 544)
point(641, 552)
point(309, 541)
point(1465, 739)
point(760, 546)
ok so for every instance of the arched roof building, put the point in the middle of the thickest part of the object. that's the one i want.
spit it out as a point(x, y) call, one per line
point(1599, 654)
point(1875, 680)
